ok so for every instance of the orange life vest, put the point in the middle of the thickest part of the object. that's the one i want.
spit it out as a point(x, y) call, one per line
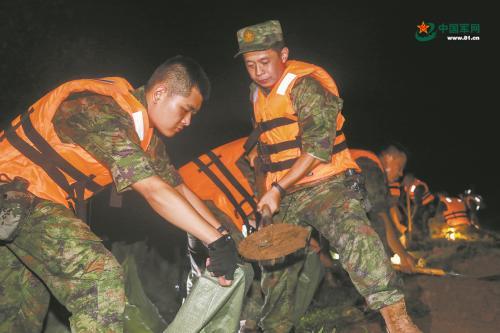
point(278, 129)
point(360, 153)
point(215, 176)
point(395, 189)
point(427, 197)
point(455, 212)
point(61, 172)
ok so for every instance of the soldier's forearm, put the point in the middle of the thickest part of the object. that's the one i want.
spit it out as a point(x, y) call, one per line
point(198, 205)
point(396, 220)
point(173, 207)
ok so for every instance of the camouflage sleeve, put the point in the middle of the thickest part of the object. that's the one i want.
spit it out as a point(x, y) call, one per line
point(161, 162)
point(376, 187)
point(317, 110)
point(98, 125)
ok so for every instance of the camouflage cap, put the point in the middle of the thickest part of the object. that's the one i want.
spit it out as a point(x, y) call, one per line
point(258, 37)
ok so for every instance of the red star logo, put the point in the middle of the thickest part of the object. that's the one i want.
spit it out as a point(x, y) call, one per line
point(423, 28)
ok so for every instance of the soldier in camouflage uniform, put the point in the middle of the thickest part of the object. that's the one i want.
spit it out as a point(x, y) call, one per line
point(377, 194)
point(312, 272)
point(332, 205)
point(55, 251)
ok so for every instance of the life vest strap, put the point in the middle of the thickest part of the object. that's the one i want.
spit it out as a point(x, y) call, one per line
point(51, 154)
point(287, 164)
point(262, 127)
point(230, 177)
point(339, 147)
point(213, 177)
point(47, 158)
point(36, 157)
point(395, 189)
point(278, 147)
point(461, 213)
point(278, 166)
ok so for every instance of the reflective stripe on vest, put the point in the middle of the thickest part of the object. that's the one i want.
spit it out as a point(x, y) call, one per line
point(427, 197)
point(57, 171)
point(278, 130)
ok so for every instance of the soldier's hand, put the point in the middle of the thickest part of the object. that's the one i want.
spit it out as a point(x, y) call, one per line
point(251, 157)
point(272, 199)
point(408, 263)
point(314, 245)
point(223, 259)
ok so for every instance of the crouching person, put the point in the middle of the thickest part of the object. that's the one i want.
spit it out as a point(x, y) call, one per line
point(74, 141)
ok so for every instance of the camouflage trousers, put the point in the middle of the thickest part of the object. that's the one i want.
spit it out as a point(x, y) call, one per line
point(335, 209)
point(378, 225)
point(55, 251)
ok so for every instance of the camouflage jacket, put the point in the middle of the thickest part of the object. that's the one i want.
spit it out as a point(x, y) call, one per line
point(101, 127)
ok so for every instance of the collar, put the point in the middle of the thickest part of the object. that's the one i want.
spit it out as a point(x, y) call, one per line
point(140, 94)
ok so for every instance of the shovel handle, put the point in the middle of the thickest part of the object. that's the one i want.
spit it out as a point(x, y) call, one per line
point(267, 216)
point(425, 270)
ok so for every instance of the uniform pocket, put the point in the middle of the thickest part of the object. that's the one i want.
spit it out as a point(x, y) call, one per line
point(16, 204)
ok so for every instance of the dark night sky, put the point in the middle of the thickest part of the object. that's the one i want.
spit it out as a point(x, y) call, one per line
point(429, 97)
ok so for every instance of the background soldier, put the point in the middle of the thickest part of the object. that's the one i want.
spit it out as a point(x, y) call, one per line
point(377, 193)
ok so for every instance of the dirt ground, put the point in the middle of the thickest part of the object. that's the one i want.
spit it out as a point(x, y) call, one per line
point(460, 304)
point(469, 303)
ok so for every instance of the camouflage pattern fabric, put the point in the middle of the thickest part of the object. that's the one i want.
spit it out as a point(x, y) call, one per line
point(334, 207)
point(55, 250)
point(377, 189)
point(309, 279)
point(101, 127)
point(259, 37)
point(317, 110)
point(15, 204)
point(377, 194)
point(337, 212)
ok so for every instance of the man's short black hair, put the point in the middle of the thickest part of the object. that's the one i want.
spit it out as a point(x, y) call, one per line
point(278, 46)
point(180, 74)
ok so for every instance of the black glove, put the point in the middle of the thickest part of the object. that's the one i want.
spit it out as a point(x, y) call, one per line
point(223, 257)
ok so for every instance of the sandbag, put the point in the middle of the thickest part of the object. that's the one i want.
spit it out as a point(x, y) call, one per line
point(210, 308)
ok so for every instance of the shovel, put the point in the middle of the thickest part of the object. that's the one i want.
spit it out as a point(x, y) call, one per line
point(272, 244)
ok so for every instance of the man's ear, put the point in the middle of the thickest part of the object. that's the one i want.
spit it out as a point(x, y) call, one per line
point(159, 91)
point(284, 54)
